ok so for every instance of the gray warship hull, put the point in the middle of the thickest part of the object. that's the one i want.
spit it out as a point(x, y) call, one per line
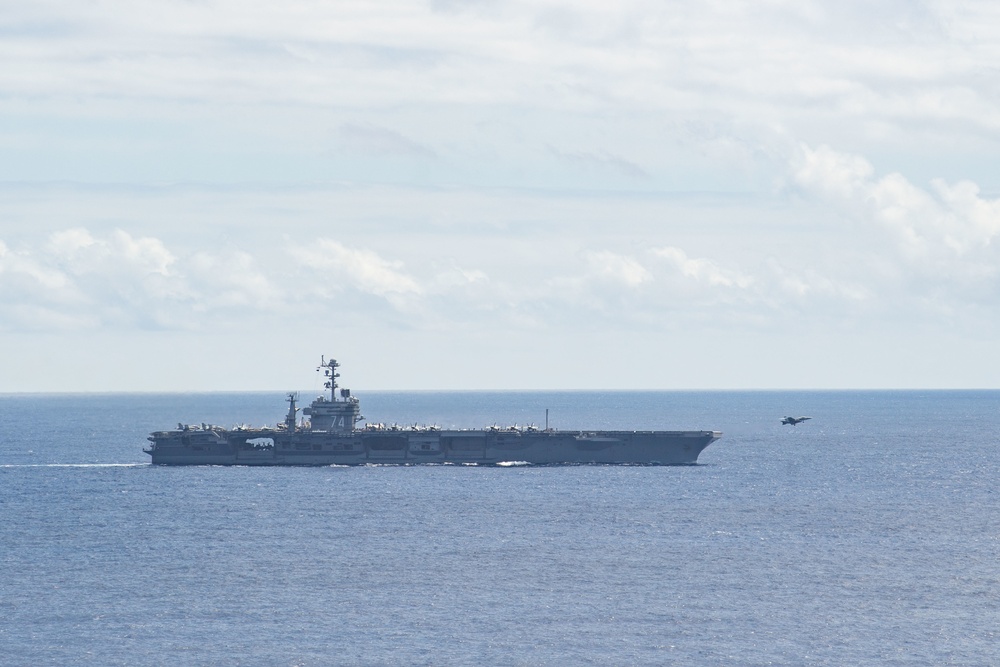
point(275, 448)
point(331, 437)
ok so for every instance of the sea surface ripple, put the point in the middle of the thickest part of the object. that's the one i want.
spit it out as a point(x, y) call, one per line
point(868, 535)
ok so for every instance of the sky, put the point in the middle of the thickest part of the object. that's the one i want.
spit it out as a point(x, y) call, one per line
point(202, 195)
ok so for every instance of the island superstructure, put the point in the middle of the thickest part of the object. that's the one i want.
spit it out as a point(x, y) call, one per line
point(332, 435)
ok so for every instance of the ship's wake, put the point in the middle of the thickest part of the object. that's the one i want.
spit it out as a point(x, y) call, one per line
point(75, 465)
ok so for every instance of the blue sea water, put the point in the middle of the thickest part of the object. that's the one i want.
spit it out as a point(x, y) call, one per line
point(867, 536)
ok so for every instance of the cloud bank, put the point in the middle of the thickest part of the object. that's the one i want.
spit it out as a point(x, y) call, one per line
point(486, 179)
point(929, 246)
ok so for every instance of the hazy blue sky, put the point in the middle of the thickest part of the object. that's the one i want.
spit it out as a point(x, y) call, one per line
point(486, 194)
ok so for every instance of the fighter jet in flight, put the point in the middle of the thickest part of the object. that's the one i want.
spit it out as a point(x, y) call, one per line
point(793, 420)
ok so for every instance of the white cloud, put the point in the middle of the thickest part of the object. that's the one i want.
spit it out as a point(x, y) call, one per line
point(30, 286)
point(571, 268)
point(119, 280)
point(637, 53)
point(66, 244)
point(810, 286)
point(932, 249)
point(146, 254)
point(977, 219)
point(337, 265)
point(512, 166)
point(701, 269)
point(231, 279)
point(832, 173)
point(606, 265)
point(945, 224)
point(81, 253)
point(689, 96)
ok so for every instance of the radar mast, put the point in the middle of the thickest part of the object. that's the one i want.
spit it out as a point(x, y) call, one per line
point(329, 369)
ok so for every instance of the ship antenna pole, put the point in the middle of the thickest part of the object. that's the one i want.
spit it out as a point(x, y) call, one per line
point(329, 369)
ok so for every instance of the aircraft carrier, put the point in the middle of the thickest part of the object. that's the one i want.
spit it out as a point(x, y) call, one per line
point(332, 436)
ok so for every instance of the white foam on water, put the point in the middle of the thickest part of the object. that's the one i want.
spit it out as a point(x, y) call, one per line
point(75, 465)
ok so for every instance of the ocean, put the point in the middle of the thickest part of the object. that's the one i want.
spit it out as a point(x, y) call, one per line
point(869, 535)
